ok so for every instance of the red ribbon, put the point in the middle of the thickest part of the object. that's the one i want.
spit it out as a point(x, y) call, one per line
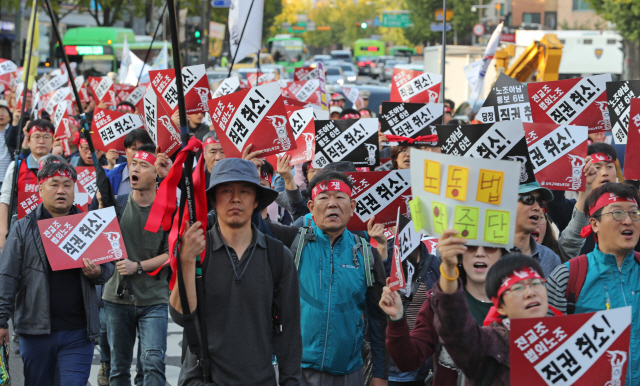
point(126, 108)
point(409, 140)
point(601, 202)
point(351, 116)
point(330, 186)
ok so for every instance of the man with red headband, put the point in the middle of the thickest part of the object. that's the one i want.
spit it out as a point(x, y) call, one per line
point(39, 140)
point(54, 312)
point(142, 306)
point(609, 275)
point(212, 153)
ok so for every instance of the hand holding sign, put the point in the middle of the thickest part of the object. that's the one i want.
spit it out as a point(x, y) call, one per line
point(450, 247)
point(391, 303)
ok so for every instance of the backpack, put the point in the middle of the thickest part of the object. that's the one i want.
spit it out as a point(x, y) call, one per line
point(578, 267)
point(305, 234)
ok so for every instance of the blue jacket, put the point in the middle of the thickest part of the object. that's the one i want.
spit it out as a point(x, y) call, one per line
point(115, 176)
point(335, 303)
point(603, 280)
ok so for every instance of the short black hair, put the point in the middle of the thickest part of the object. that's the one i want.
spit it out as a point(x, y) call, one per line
point(149, 148)
point(266, 168)
point(504, 267)
point(41, 123)
point(127, 104)
point(328, 175)
point(50, 159)
point(8, 110)
point(137, 135)
point(49, 170)
point(620, 190)
point(452, 104)
point(601, 147)
point(341, 166)
point(349, 111)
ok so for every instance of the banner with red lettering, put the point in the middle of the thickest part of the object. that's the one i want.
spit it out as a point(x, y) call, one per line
point(110, 127)
point(195, 85)
point(577, 101)
point(379, 194)
point(557, 153)
point(415, 86)
point(307, 73)
point(158, 124)
point(257, 116)
point(103, 90)
point(631, 164)
point(579, 349)
point(94, 235)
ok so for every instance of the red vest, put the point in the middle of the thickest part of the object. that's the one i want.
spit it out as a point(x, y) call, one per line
point(27, 178)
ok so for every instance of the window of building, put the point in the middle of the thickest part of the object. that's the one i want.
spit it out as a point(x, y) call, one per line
point(531, 18)
point(580, 5)
point(551, 20)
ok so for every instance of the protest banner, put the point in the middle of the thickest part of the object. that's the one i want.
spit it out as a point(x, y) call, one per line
point(82, 90)
point(577, 101)
point(196, 88)
point(27, 202)
point(7, 66)
point(379, 194)
point(61, 122)
point(102, 89)
point(136, 95)
point(110, 127)
point(319, 114)
point(309, 91)
point(304, 132)
point(354, 140)
point(579, 349)
point(158, 123)
point(507, 100)
point(307, 73)
point(86, 182)
point(407, 246)
point(123, 91)
point(557, 153)
point(415, 86)
point(353, 95)
point(501, 140)
point(51, 100)
point(51, 82)
point(619, 95)
point(227, 86)
point(464, 194)
point(631, 165)
point(94, 235)
point(259, 78)
point(431, 243)
point(257, 116)
point(396, 276)
point(410, 119)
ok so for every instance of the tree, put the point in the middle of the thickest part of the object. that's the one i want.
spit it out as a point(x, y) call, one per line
point(423, 14)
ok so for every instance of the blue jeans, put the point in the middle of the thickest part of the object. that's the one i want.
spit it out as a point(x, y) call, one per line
point(122, 322)
point(68, 351)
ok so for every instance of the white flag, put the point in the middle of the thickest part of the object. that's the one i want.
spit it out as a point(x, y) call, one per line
point(477, 70)
point(136, 67)
point(125, 61)
point(161, 62)
point(252, 37)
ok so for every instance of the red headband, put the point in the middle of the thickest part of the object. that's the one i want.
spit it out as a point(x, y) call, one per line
point(604, 200)
point(600, 157)
point(267, 177)
point(35, 128)
point(410, 141)
point(513, 278)
point(351, 116)
point(210, 141)
point(127, 108)
point(59, 173)
point(144, 156)
point(331, 186)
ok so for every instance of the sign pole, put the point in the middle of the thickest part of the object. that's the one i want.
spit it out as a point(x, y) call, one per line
point(146, 57)
point(444, 50)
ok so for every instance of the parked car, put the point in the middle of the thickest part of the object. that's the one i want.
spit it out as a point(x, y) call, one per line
point(250, 61)
point(387, 70)
point(319, 58)
point(377, 65)
point(335, 75)
point(348, 71)
point(343, 55)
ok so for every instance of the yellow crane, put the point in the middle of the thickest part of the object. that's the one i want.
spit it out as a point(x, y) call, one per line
point(542, 56)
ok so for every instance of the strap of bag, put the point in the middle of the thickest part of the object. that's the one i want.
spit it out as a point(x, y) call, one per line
point(305, 234)
point(368, 258)
point(578, 267)
point(275, 250)
point(416, 284)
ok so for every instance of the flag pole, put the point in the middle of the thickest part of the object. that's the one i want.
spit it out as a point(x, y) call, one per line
point(240, 40)
point(25, 89)
point(146, 57)
point(444, 50)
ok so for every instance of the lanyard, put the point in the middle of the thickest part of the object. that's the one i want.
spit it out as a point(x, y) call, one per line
point(233, 264)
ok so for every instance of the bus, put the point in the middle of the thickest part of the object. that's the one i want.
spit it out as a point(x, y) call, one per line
point(402, 51)
point(98, 50)
point(287, 51)
point(368, 48)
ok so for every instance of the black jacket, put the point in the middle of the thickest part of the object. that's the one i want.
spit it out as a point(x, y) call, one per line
point(24, 281)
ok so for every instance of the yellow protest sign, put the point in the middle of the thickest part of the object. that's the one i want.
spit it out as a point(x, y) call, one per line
point(490, 186)
point(439, 216)
point(416, 213)
point(465, 221)
point(432, 177)
point(496, 226)
point(457, 182)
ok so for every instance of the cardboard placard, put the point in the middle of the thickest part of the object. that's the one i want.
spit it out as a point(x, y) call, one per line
point(407, 240)
point(415, 86)
point(631, 164)
point(309, 91)
point(82, 90)
point(27, 202)
point(354, 140)
point(51, 100)
point(136, 95)
point(102, 89)
point(507, 100)
point(86, 182)
point(257, 116)
point(94, 235)
point(195, 84)
point(577, 101)
point(158, 123)
point(61, 122)
point(110, 127)
point(410, 119)
point(123, 91)
point(472, 195)
point(51, 82)
point(307, 73)
point(259, 78)
point(353, 95)
point(227, 86)
point(580, 349)
point(379, 194)
point(396, 275)
point(557, 153)
point(304, 131)
point(501, 140)
point(619, 95)
point(7, 66)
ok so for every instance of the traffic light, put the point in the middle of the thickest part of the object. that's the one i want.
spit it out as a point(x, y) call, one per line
point(363, 25)
point(196, 35)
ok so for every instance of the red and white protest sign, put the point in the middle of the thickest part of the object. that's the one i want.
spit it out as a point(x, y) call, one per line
point(577, 101)
point(227, 86)
point(557, 153)
point(51, 82)
point(136, 95)
point(431, 243)
point(307, 73)
point(158, 124)
point(379, 194)
point(82, 90)
point(7, 66)
point(103, 90)
point(353, 95)
point(61, 125)
point(86, 182)
point(110, 127)
point(259, 78)
point(396, 275)
point(52, 100)
point(27, 202)
point(415, 86)
point(256, 116)
point(123, 91)
point(580, 349)
point(94, 235)
point(304, 131)
point(195, 85)
point(631, 164)
point(308, 91)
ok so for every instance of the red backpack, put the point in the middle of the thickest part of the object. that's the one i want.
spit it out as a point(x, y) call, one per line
point(578, 267)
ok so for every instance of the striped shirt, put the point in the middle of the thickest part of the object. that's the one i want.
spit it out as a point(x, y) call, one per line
point(5, 156)
point(416, 304)
point(557, 288)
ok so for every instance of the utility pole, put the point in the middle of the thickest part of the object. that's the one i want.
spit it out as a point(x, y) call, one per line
point(17, 43)
point(204, 48)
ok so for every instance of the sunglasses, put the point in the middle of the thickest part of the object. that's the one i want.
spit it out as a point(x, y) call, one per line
point(487, 250)
point(529, 199)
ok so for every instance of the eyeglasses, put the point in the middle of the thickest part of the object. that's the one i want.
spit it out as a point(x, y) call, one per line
point(46, 137)
point(404, 151)
point(529, 199)
point(518, 288)
point(488, 250)
point(620, 214)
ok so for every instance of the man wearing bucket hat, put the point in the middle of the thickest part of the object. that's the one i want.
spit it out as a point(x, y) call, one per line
point(532, 199)
point(252, 301)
